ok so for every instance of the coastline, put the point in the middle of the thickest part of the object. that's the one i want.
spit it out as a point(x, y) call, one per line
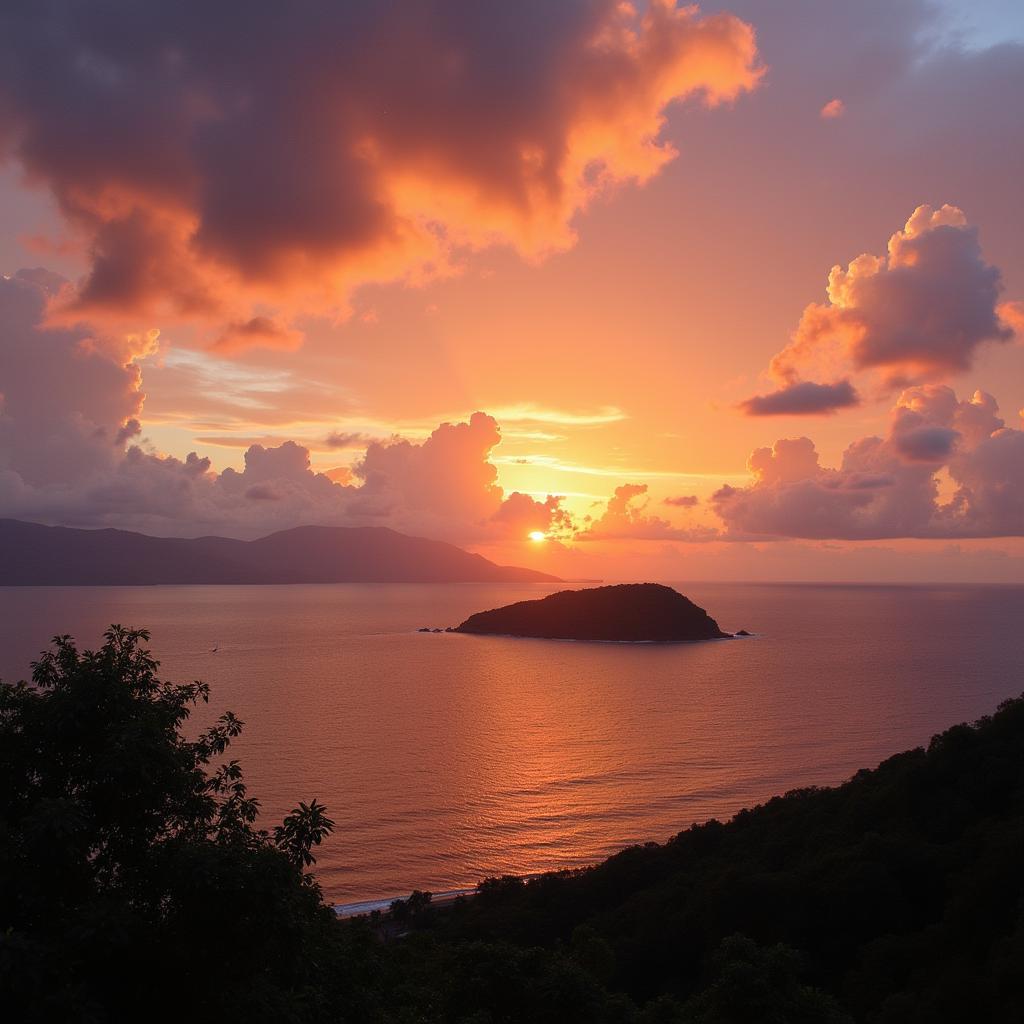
point(363, 907)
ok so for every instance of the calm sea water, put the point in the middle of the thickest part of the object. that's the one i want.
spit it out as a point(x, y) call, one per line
point(447, 758)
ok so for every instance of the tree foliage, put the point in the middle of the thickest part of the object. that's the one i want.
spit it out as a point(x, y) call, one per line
point(896, 898)
point(132, 874)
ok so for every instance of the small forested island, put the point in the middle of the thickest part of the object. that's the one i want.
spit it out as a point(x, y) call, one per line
point(625, 613)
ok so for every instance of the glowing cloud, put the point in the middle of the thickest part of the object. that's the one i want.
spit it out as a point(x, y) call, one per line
point(528, 412)
point(1012, 314)
point(918, 312)
point(257, 332)
point(73, 401)
point(887, 488)
point(924, 308)
point(624, 519)
point(209, 169)
point(71, 397)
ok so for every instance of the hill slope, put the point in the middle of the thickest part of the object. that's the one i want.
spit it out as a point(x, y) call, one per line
point(896, 898)
point(34, 555)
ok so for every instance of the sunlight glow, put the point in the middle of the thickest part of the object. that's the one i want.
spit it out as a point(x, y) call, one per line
point(537, 535)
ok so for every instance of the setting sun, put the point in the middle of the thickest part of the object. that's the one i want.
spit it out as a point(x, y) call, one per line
point(537, 535)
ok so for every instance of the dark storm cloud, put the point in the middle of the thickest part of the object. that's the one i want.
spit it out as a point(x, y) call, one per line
point(214, 153)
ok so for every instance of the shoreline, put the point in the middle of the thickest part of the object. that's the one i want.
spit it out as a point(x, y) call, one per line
point(359, 908)
point(365, 907)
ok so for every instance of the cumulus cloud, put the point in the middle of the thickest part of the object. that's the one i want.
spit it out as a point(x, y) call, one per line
point(448, 474)
point(919, 312)
point(209, 169)
point(891, 487)
point(70, 397)
point(443, 487)
point(520, 514)
point(922, 309)
point(447, 486)
point(1012, 314)
point(926, 443)
point(73, 400)
point(682, 501)
point(803, 398)
point(625, 517)
point(833, 109)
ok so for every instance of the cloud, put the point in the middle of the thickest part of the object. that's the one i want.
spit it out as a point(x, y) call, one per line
point(891, 487)
point(1012, 314)
point(257, 332)
point(803, 398)
point(447, 486)
point(682, 501)
point(926, 443)
point(340, 475)
point(129, 429)
point(443, 487)
point(346, 439)
point(73, 400)
point(240, 441)
point(622, 519)
point(70, 397)
point(528, 412)
point(210, 170)
point(921, 310)
point(553, 464)
point(447, 475)
point(520, 514)
point(833, 109)
point(261, 492)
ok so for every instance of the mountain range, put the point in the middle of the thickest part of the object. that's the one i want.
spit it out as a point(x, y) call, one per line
point(36, 555)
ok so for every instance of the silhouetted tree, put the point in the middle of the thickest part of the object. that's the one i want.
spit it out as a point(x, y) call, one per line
point(133, 880)
point(752, 984)
point(895, 897)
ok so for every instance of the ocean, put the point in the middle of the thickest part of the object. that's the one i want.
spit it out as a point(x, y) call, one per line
point(447, 758)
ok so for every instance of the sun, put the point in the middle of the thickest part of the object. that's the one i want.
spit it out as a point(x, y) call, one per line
point(537, 536)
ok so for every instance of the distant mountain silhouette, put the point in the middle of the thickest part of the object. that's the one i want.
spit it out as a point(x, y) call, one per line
point(627, 612)
point(35, 555)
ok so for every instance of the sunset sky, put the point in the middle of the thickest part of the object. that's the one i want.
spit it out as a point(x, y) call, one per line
point(734, 292)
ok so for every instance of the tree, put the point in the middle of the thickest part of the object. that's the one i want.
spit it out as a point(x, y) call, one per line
point(133, 878)
point(753, 984)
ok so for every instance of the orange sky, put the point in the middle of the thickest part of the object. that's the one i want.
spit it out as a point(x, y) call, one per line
point(604, 255)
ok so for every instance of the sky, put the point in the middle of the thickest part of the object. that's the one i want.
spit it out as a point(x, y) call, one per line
point(617, 291)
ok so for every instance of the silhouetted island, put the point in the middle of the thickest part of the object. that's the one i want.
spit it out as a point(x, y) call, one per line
point(35, 555)
point(628, 612)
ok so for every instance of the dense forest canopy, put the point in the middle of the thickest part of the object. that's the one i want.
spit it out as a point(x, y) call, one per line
point(136, 883)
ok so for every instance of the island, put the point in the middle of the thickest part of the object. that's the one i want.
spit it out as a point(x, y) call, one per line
point(625, 613)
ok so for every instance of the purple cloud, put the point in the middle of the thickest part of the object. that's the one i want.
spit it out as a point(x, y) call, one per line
point(805, 398)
